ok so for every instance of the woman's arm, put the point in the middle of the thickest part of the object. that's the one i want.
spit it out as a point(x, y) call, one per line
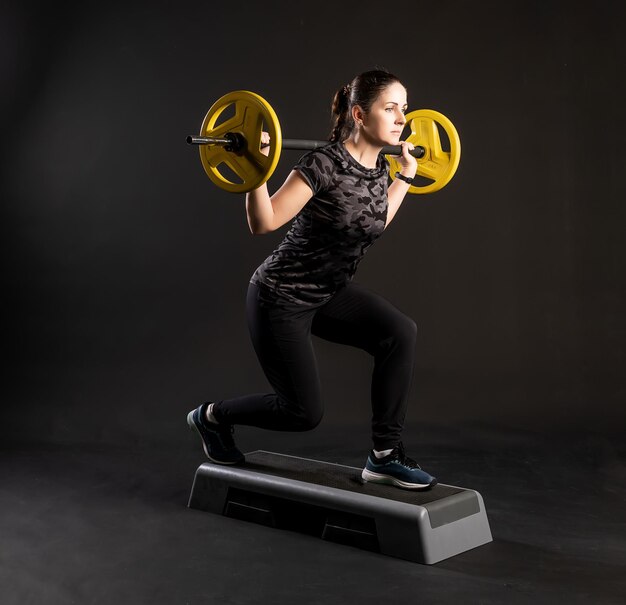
point(267, 213)
point(398, 189)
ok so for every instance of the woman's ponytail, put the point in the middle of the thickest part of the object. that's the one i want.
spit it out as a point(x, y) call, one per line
point(342, 120)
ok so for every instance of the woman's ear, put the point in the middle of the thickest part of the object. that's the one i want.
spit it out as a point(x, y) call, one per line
point(357, 115)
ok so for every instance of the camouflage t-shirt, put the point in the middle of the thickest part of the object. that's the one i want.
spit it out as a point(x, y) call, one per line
point(330, 235)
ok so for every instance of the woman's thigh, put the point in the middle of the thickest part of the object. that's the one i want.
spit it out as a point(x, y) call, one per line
point(281, 337)
point(358, 317)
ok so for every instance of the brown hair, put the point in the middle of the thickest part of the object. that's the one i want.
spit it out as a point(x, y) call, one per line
point(362, 91)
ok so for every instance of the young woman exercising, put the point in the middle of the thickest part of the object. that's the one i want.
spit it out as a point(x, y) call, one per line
point(341, 201)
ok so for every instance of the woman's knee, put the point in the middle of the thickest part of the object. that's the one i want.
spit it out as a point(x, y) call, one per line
point(411, 329)
point(404, 331)
point(310, 420)
point(302, 417)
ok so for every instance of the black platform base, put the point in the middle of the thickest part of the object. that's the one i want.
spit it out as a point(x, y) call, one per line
point(330, 501)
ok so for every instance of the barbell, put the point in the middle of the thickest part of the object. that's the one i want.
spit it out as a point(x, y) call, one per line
point(235, 144)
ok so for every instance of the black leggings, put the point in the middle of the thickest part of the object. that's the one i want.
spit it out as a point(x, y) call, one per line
point(281, 337)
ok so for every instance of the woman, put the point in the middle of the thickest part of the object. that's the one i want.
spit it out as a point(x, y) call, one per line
point(341, 201)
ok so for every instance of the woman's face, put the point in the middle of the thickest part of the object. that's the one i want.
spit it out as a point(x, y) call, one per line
point(384, 122)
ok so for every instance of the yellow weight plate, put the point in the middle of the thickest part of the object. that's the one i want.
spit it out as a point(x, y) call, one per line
point(252, 114)
point(437, 165)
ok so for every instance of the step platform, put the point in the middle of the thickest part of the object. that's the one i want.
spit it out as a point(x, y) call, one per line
point(330, 501)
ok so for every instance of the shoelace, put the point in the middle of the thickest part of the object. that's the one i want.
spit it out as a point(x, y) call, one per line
point(404, 459)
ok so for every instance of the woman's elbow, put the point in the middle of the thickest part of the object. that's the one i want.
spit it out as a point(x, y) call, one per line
point(259, 229)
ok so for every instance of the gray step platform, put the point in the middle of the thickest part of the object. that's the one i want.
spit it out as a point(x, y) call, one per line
point(330, 500)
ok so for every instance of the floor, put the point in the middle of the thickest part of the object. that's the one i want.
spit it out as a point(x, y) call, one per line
point(110, 525)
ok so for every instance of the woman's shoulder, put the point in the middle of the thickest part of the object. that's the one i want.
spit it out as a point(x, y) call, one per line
point(322, 156)
point(319, 166)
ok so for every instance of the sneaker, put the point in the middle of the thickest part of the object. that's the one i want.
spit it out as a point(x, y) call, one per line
point(397, 469)
point(217, 439)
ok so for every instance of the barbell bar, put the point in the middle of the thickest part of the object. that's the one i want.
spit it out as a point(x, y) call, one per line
point(236, 143)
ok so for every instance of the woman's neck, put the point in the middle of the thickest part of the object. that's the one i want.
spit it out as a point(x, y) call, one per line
point(362, 151)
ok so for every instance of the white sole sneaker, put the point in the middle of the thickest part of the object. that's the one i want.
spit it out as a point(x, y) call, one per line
point(371, 477)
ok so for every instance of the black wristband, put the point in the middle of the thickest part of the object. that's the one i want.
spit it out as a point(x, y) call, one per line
point(406, 179)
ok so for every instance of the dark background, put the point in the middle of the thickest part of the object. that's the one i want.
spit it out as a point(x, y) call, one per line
point(125, 270)
point(124, 274)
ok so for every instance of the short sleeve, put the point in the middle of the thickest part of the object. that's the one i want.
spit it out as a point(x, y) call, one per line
point(317, 169)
